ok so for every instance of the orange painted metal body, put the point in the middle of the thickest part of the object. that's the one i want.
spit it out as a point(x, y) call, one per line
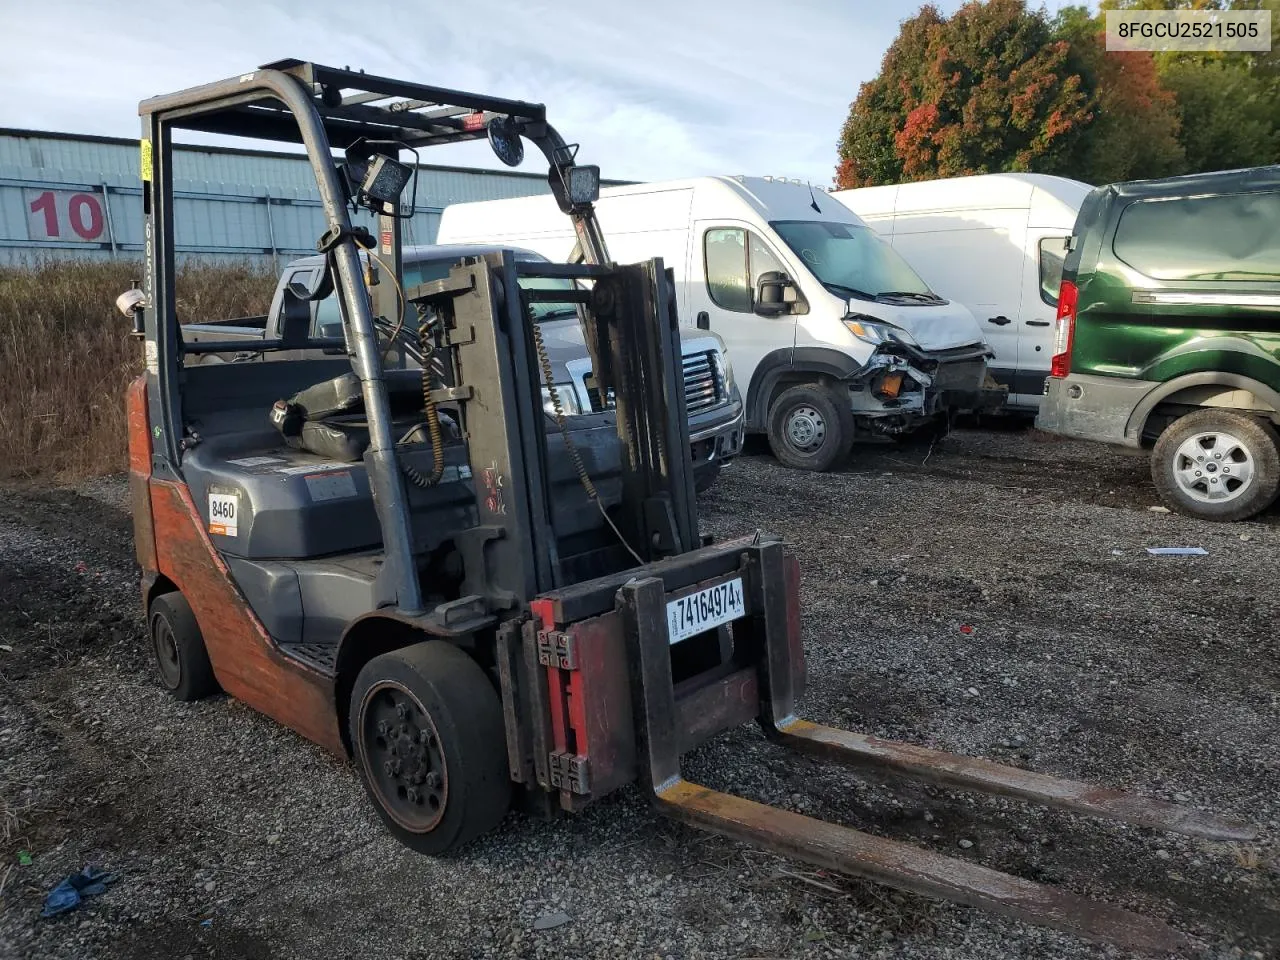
point(172, 544)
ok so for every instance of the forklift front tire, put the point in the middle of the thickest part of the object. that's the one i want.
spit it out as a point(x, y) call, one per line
point(179, 647)
point(811, 427)
point(428, 737)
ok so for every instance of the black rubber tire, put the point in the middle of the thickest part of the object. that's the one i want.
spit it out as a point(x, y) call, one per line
point(464, 709)
point(1257, 436)
point(179, 648)
point(705, 476)
point(837, 440)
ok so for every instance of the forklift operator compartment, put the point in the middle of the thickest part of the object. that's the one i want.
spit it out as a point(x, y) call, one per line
point(482, 603)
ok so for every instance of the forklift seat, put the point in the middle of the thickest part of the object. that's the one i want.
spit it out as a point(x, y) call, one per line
point(327, 418)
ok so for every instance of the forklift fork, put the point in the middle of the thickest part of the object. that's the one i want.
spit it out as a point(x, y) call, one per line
point(767, 635)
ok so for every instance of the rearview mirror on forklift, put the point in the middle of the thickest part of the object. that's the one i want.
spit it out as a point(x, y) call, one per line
point(775, 294)
point(130, 303)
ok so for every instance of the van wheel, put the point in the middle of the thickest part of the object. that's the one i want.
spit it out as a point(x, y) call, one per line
point(428, 738)
point(1217, 465)
point(179, 647)
point(811, 427)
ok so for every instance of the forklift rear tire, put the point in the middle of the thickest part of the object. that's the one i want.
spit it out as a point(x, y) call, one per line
point(811, 427)
point(428, 737)
point(179, 647)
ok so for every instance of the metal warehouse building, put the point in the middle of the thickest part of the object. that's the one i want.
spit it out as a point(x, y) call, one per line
point(64, 195)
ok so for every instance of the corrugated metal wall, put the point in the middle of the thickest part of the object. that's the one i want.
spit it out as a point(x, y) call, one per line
point(68, 196)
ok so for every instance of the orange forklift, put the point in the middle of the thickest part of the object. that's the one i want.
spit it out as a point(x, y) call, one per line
point(405, 550)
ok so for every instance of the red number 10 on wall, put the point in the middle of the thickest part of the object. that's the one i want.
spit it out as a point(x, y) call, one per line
point(64, 215)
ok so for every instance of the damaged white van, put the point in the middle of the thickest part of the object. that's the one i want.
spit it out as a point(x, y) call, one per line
point(832, 333)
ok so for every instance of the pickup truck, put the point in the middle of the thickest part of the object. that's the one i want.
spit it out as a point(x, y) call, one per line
point(711, 395)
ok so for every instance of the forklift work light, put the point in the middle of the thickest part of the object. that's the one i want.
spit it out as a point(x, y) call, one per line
point(583, 184)
point(384, 181)
point(376, 179)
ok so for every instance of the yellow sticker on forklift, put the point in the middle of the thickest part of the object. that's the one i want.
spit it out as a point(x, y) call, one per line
point(224, 510)
point(145, 146)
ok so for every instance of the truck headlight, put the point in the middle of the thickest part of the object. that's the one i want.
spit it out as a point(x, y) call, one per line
point(568, 396)
point(727, 368)
point(876, 332)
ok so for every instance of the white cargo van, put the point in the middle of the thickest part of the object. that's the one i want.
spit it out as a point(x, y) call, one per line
point(994, 242)
point(829, 330)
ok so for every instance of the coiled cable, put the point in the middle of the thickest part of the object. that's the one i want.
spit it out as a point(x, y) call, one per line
point(426, 347)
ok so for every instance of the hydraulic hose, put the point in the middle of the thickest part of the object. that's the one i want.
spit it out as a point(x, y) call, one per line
point(417, 477)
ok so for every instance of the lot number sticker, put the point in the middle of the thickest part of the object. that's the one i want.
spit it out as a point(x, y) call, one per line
point(224, 508)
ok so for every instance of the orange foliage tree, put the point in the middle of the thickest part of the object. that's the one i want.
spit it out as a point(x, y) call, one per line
point(986, 89)
point(997, 87)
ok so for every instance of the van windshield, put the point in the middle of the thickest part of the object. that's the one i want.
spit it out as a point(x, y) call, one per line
point(851, 261)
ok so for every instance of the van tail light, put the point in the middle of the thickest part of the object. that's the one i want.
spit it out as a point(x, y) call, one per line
point(1064, 332)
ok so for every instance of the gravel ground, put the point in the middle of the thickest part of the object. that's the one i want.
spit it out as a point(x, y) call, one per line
point(1085, 657)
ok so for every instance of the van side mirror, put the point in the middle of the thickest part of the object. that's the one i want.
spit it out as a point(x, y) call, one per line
point(775, 293)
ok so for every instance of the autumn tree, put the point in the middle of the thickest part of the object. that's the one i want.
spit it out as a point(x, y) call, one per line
point(987, 89)
point(1135, 120)
point(1225, 101)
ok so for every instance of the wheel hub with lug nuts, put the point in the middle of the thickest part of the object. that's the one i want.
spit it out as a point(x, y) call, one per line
point(806, 429)
point(403, 757)
point(166, 647)
point(1213, 467)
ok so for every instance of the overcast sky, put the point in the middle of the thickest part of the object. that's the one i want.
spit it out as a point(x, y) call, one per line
point(651, 89)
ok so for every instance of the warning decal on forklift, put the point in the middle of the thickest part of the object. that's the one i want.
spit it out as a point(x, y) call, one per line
point(224, 509)
point(330, 486)
point(310, 468)
point(255, 461)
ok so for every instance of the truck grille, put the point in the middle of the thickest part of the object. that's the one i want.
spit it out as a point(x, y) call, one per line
point(703, 384)
point(703, 381)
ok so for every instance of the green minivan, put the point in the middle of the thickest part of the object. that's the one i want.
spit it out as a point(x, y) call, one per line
point(1168, 335)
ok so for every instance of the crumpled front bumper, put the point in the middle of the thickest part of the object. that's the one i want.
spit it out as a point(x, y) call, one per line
point(956, 381)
